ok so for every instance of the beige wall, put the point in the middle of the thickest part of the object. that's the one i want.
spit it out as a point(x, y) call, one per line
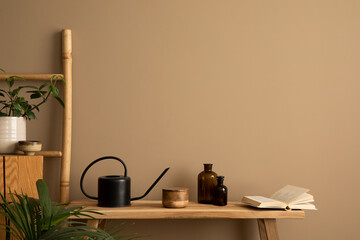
point(268, 91)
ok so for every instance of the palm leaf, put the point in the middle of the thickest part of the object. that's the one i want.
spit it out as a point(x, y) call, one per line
point(34, 219)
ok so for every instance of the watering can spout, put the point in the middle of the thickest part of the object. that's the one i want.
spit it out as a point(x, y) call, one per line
point(152, 186)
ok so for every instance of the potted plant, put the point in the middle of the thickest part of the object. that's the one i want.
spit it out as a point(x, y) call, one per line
point(16, 108)
point(33, 219)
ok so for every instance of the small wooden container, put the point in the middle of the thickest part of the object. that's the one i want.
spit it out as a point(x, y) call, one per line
point(175, 197)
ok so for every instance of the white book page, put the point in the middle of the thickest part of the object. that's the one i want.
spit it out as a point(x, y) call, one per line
point(289, 193)
point(263, 202)
point(261, 199)
point(303, 198)
point(303, 206)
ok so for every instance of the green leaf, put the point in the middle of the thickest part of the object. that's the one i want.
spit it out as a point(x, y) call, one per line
point(54, 90)
point(20, 99)
point(44, 198)
point(30, 115)
point(17, 106)
point(28, 221)
point(44, 85)
point(18, 78)
point(15, 92)
point(17, 113)
point(52, 79)
point(60, 101)
point(33, 91)
point(35, 95)
point(10, 81)
point(2, 70)
point(1, 90)
point(59, 77)
point(33, 87)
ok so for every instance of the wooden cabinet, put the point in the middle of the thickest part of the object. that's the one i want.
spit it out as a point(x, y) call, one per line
point(20, 173)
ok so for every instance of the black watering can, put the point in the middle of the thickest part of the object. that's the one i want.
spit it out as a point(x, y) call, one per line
point(114, 190)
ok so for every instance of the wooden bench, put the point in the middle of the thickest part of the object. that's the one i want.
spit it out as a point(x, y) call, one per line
point(153, 210)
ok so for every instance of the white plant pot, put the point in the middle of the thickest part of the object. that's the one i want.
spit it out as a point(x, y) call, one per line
point(12, 130)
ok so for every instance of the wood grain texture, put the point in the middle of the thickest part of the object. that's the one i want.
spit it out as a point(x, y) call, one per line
point(34, 77)
point(92, 223)
point(175, 197)
point(21, 173)
point(268, 229)
point(2, 159)
point(67, 116)
point(11, 174)
point(30, 169)
point(2, 187)
point(49, 154)
point(154, 210)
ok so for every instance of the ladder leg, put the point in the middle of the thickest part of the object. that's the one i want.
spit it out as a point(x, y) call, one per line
point(268, 229)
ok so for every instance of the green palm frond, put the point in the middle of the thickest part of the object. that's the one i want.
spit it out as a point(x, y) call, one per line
point(34, 219)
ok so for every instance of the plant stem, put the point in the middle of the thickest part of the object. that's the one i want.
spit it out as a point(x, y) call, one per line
point(11, 107)
point(11, 100)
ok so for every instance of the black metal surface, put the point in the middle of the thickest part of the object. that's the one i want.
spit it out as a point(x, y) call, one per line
point(152, 186)
point(114, 190)
point(90, 165)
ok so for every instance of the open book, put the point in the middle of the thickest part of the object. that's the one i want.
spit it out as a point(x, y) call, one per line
point(289, 197)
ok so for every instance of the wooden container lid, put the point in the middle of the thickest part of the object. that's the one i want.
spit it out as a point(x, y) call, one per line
point(176, 189)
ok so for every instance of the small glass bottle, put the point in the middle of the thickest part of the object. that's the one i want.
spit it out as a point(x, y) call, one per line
point(220, 192)
point(206, 184)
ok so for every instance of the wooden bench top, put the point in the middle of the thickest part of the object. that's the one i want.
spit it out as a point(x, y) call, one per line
point(148, 209)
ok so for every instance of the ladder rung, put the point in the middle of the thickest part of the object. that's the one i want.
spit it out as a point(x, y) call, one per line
point(33, 77)
point(50, 154)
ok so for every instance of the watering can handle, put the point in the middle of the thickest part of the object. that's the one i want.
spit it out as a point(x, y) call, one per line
point(90, 165)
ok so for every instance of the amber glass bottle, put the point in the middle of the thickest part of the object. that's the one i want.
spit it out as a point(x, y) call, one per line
point(220, 192)
point(206, 184)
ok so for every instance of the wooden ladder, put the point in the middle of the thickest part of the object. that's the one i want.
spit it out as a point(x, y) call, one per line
point(65, 153)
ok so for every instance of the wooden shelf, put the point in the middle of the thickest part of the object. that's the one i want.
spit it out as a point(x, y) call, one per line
point(45, 154)
point(146, 209)
point(32, 77)
point(50, 154)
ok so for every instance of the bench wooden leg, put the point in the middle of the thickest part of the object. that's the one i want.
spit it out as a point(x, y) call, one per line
point(102, 224)
point(96, 223)
point(92, 223)
point(268, 229)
